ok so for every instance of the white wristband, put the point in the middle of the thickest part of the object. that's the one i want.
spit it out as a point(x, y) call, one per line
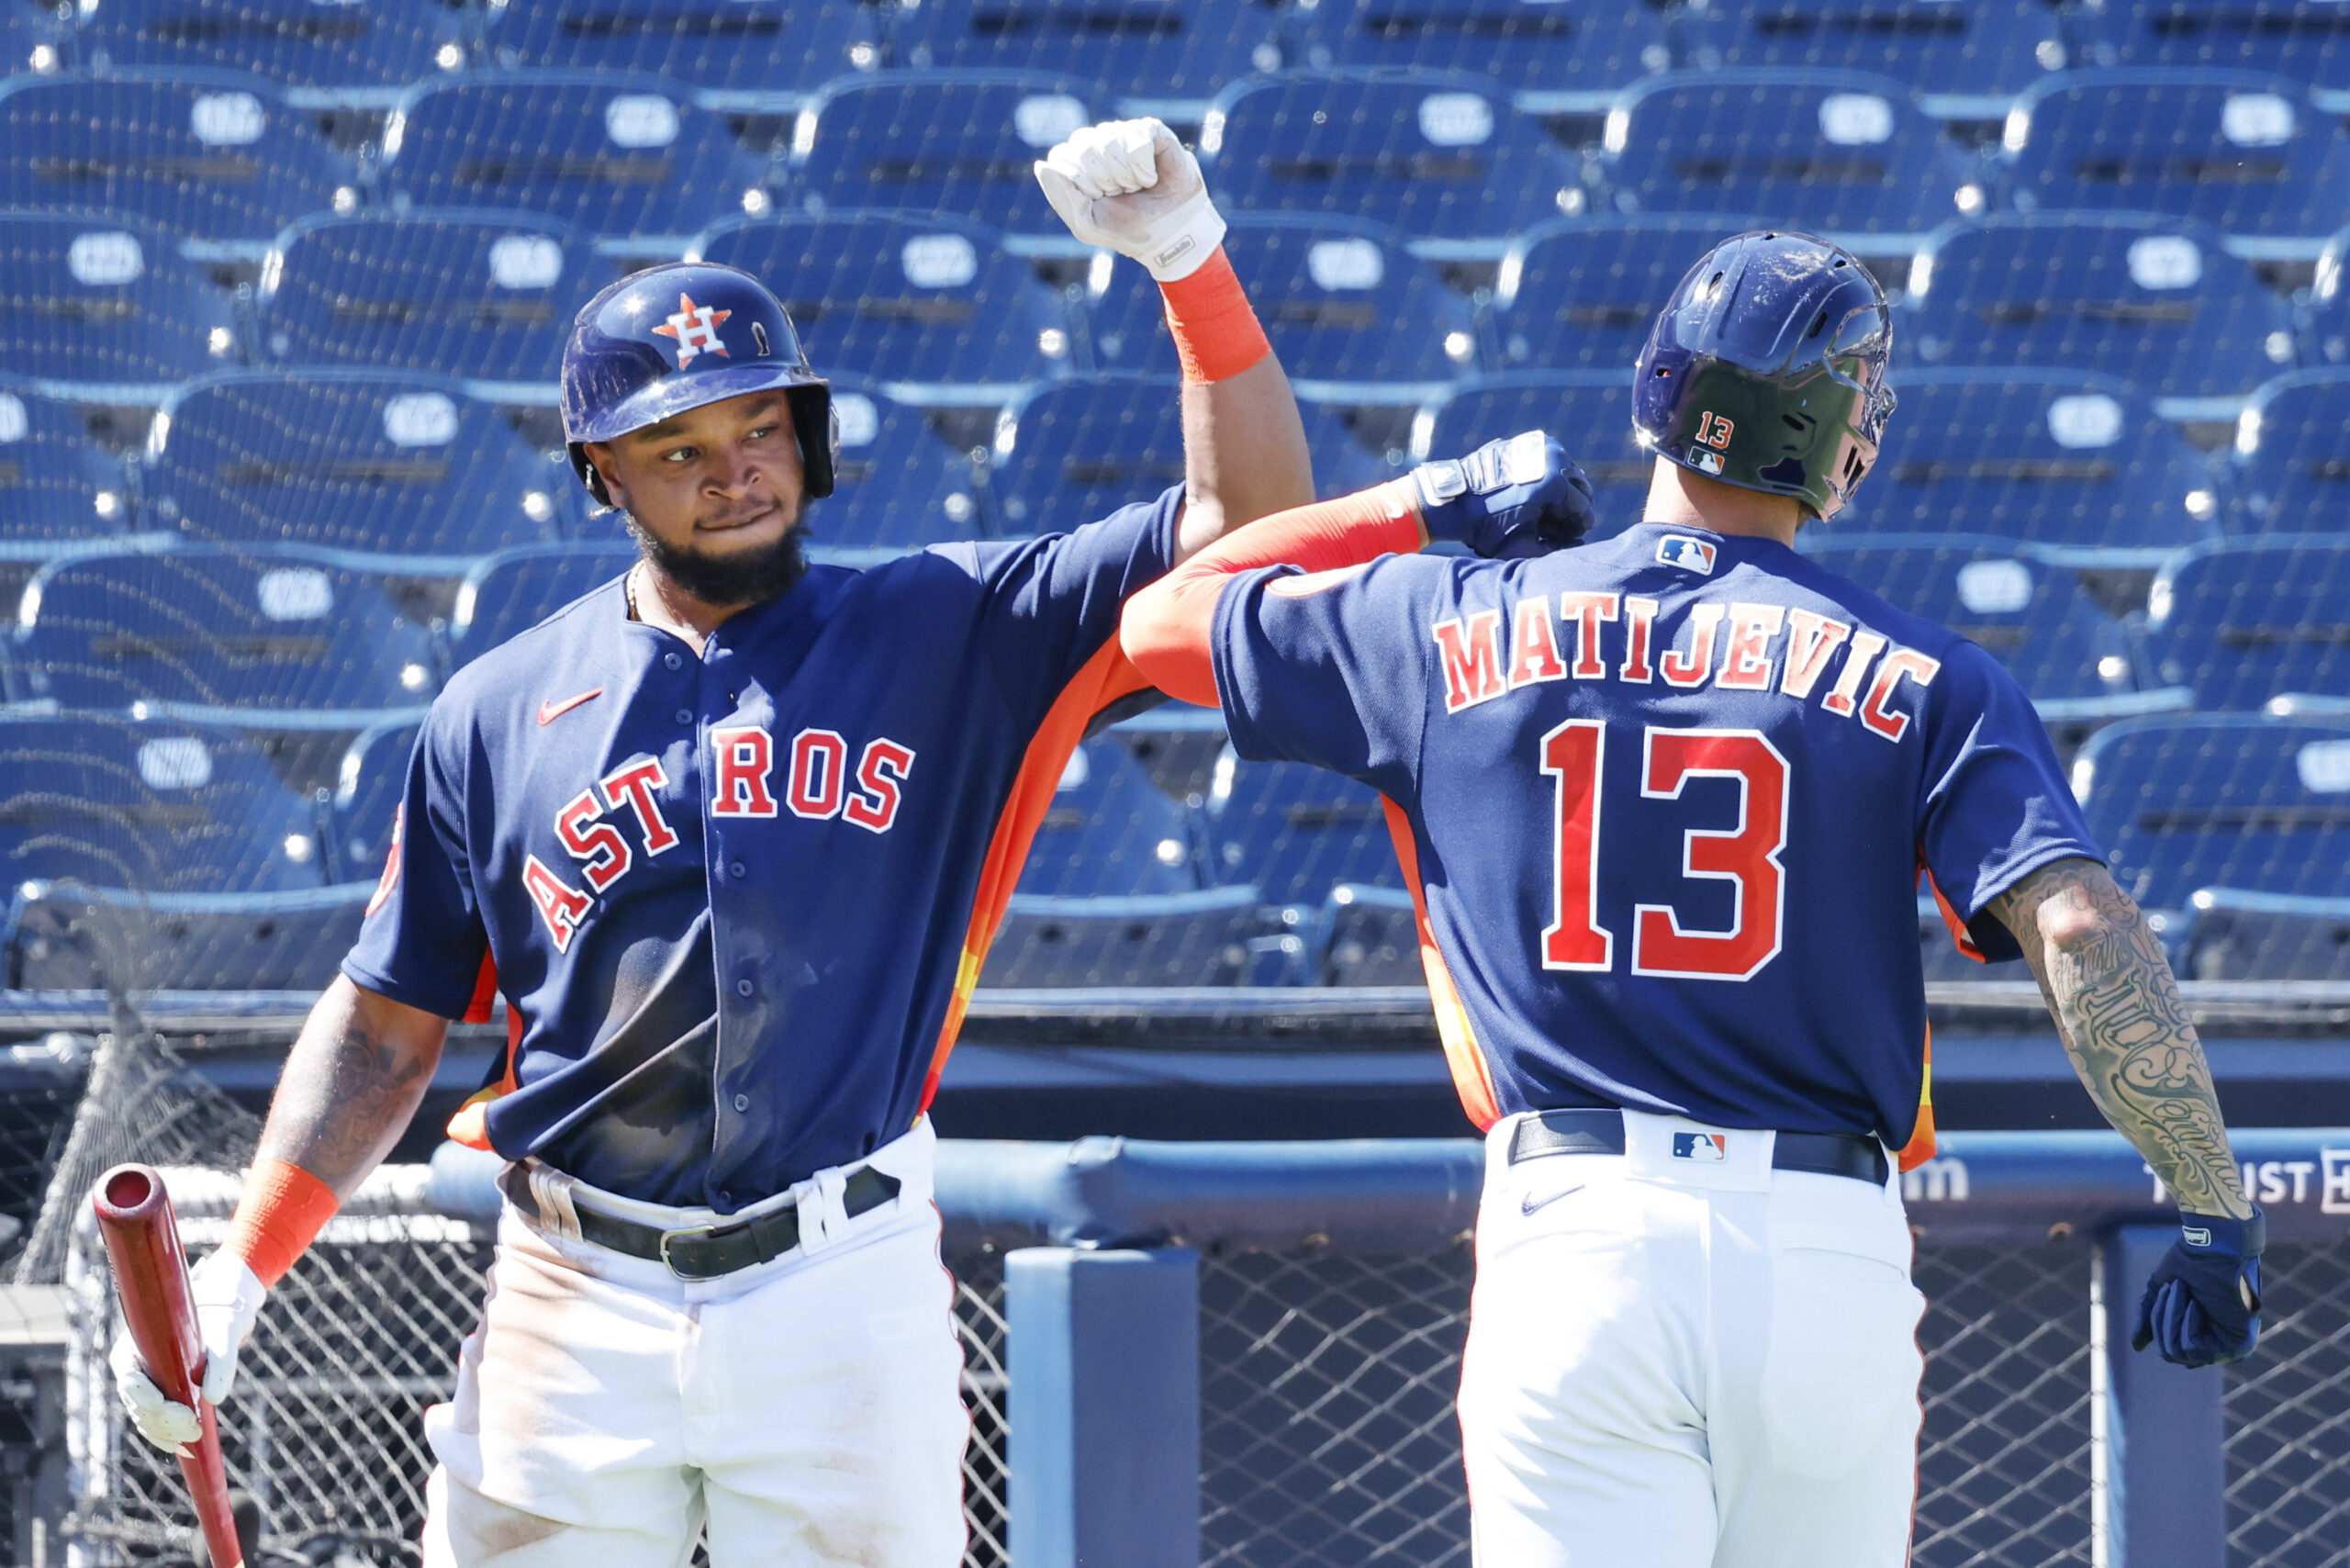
point(1181, 239)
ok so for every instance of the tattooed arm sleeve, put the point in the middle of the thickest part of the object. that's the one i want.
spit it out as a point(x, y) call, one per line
point(354, 1076)
point(2117, 1009)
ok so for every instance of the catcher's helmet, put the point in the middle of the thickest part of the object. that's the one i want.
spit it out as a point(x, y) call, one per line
point(673, 338)
point(1766, 370)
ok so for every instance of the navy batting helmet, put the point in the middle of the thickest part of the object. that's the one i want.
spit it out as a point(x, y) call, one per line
point(1766, 370)
point(673, 338)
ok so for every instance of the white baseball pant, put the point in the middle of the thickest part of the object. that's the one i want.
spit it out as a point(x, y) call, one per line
point(1676, 1364)
point(807, 1410)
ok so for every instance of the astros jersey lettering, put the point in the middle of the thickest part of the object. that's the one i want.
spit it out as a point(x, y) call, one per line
point(735, 903)
point(1663, 798)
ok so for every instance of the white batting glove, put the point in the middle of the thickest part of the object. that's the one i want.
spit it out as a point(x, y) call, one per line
point(227, 1295)
point(1128, 185)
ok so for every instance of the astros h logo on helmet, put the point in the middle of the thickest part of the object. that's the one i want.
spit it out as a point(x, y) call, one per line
point(696, 330)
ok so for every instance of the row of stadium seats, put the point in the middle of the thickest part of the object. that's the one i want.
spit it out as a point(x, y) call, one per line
point(162, 854)
point(1188, 50)
point(415, 468)
point(108, 311)
point(224, 157)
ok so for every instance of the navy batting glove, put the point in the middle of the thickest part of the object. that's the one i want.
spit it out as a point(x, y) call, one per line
point(2202, 1305)
point(1510, 498)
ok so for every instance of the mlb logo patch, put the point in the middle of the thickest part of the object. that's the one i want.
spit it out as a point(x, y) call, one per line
point(1708, 462)
point(1689, 555)
point(1710, 1149)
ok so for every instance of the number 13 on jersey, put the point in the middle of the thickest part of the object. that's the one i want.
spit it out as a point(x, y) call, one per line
point(1746, 855)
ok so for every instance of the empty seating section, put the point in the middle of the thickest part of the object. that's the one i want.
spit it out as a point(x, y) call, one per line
point(2250, 621)
point(2159, 303)
point(210, 154)
point(369, 783)
point(905, 296)
point(2291, 467)
point(2038, 457)
point(1590, 411)
point(1434, 155)
point(31, 41)
point(958, 143)
point(1838, 150)
point(1110, 830)
point(471, 293)
point(1572, 46)
point(106, 306)
point(617, 155)
point(515, 589)
point(1974, 47)
point(1296, 831)
point(1343, 303)
point(1581, 294)
point(1152, 49)
point(2325, 318)
point(1074, 450)
point(896, 483)
point(380, 463)
point(350, 44)
point(2250, 153)
point(58, 485)
point(1166, 939)
point(719, 44)
point(2306, 39)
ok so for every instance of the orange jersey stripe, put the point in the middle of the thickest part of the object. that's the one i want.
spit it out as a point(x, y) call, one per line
point(1470, 1077)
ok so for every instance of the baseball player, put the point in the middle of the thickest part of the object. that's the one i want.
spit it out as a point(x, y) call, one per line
point(729, 835)
point(1664, 801)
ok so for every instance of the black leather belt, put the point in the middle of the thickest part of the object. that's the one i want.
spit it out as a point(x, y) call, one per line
point(1602, 1132)
point(706, 1252)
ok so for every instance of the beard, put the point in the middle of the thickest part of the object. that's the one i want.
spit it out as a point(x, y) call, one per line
point(731, 580)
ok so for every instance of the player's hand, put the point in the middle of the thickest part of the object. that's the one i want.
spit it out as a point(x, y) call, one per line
point(227, 1295)
point(1128, 185)
point(2202, 1305)
point(1510, 498)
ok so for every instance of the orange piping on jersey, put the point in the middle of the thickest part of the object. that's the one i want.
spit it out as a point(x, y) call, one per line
point(1107, 677)
point(470, 1125)
point(1921, 1145)
point(1470, 1077)
point(1958, 932)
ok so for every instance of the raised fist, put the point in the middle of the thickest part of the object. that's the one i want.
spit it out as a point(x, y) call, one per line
point(1128, 185)
point(1517, 497)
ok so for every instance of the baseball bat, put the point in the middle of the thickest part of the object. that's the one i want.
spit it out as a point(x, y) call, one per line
point(151, 1275)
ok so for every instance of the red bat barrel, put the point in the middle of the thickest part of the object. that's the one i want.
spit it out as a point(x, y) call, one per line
point(151, 1275)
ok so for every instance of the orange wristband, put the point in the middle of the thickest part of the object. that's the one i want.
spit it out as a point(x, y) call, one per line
point(282, 1211)
point(1215, 331)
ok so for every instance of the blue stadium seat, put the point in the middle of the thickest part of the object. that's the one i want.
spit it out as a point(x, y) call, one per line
point(904, 297)
point(281, 640)
point(30, 41)
point(301, 43)
point(1147, 49)
point(1075, 451)
point(1973, 48)
point(1589, 410)
point(96, 303)
point(1431, 153)
point(1582, 294)
point(1367, 936)
point(2234, 935)
point(1151, 939)
point(1110, 830)
point(2036, 456)
point(895, 483)
point(488, 296)
point(2155, 301)
point(57, 484)
point(729, 45)
point(2325, 315)
point(1344, 303)
point(1296, 831)
point(618, 155)
point(1842, 151)
point(380, 462)
point(2071, 658)
point(2247, 152)
point(515, 589)
point(2306, 39)
point(2252, 619)
point(957, 144)
point(2292, 456)
point(1568, 46)
point(2260, 805)
point(207, 153)
point(368, 788)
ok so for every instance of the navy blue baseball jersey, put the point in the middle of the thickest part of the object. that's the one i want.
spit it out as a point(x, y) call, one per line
point(1664, 800)
point(735, 904)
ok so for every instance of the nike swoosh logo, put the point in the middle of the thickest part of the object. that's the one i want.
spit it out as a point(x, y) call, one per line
point(550, 712)
point(1528, 1204)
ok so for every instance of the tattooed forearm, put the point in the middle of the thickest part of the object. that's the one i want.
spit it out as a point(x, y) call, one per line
point(351, 1083)
point(2119, 1012)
